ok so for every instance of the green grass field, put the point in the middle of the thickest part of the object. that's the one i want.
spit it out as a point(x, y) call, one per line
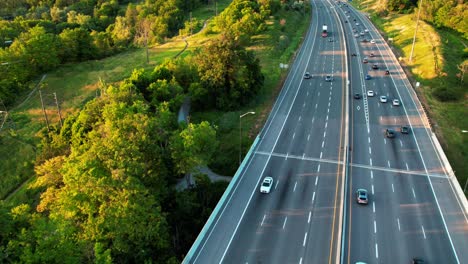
point(74, 85)
point(436, 55)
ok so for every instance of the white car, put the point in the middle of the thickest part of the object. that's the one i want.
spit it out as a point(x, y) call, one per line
point(396, 102)
point(372, 41)
point(366, 30)
point(357, 24)
point(383, 99)
point(362, 33)
point(370, 93)
point(266, 185)
point(356, 35)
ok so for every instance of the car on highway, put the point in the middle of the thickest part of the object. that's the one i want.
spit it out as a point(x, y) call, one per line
point(328, 78)
point(368, 77)
point(266, 185)
point(387, 72)
point(370, 93)
point(365, 60)
point(396, 102)
point(307, 75)
point(371, 55)
point(383, 99)
point(357, 96)
point(366, 30)
point(361, 196)
point(364, 40)
point(417, 261)
point(390, 133)
point(357, 24)
point(375, 67)
point(362, 33)
point(356, 35)
point(405, 129)
point(372, 41)
point(330, 39)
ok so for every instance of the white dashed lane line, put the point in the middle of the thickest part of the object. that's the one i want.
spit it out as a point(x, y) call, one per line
point(373, 207)
point(285, 220)
point(318, 170)
point(372, 186)
point(308, 220)
point(305, 239)
point(294, 135)
point(424, 233)
point(398, 221)
point(414, 194)
point(264, 216)
point(295, 185)
point(370, 162)
point(393, 188)
point(308, 137)
point(313, 197)
point(375, 227)
point(376, 250)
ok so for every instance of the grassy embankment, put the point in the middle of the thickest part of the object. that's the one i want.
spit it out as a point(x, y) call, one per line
point(78, 83)
point(437, 53)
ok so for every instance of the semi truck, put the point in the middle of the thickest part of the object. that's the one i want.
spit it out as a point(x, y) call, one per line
point(324, 31)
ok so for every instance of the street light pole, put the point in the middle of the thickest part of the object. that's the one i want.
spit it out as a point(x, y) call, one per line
point(240, 134)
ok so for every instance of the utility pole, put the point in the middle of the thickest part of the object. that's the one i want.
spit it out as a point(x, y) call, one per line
point(58, 109)
point(415, 31)
point(43, 111)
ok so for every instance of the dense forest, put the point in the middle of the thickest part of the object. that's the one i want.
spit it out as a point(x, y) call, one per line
point(106, 177)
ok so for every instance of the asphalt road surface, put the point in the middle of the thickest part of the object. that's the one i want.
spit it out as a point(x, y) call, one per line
point(413, 208)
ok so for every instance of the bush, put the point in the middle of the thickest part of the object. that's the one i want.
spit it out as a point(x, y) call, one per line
point(445, 94)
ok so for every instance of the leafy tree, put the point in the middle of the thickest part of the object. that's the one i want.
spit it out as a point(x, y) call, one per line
point(193, 146)
point(76, 45)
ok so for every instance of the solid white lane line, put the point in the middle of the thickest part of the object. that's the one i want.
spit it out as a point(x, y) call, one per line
point(321, 154)
point(295, 185)
point(376, 250)
point(325, 134)
point(388, 162)
point(286, 158)
point(424, 233)
point(300, 261)
point(375, 227)
point(370, 161)
point(316, 106)
point(368, 139)
point(294, 135)
point(323, 143)
point(276, 184)
point(407, 168)
point(318, 169)
point(401, 143)
point(372, 189)
point(316, 181)
point(305, 239)
point(414, 194)
point(308, 137)
point(285, 220)
point(373, 207)
point(371, 174)
point(313, 197)
point(370, 151)
point(393, 189)
point(308, 220)
point(398, 221)
point(264, 216)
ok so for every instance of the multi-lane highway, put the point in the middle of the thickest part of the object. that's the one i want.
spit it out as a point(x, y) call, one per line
point(320, 145)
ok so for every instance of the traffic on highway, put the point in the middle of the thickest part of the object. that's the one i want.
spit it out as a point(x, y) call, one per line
point(346, 168)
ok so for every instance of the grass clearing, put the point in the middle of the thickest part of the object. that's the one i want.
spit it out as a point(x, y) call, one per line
point(436, 55)
point(74, 85)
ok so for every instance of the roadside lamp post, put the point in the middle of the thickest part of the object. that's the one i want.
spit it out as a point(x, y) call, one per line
point(240, 134)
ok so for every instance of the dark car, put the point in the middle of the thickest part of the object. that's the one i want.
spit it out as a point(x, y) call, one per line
point(375, 67)
point(389, 133)
point(357, 96)
point(387, 72)
point(364, 40)
point(417, 261)
point(307, 75)
point(405, 129)
point(328, 78)
point(368, 77)
point(365, 60)
point(371, 55)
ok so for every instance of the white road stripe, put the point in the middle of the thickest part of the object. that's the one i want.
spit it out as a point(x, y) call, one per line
point(373, 207)
point(316, 181)
point(305, 239)
point(294, 135)
point(368, 139)
point(313, 197)
point(324, 133)
point(372, 189)
point(263, 220)
point(318, 169)
point(321, 154)
point(300, 117)
point(375, 227)
point(414, 194)
point(398, 221)
point(276, 184)
point(385, 141)
point(326, 124)
point(308, 220)
point(323, 143)
point(370, 151)
point(308, 137)
point(370, 161)
point(376, 250)
point(285, 220)
point(295, 185)
point(401, 143)
point(424, 233)
point(300, 261)
point(393, 189)
point(371, 174)
point(316, 106)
